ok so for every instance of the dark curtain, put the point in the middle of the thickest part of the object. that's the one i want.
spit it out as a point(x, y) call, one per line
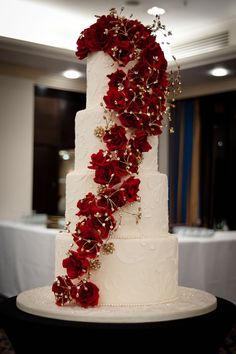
point(202, 162)
point(184, 164)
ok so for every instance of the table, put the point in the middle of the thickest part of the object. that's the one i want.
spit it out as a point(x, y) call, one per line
point(202, 334)
point(27, 254)
point(209, 263)
point(27, 257)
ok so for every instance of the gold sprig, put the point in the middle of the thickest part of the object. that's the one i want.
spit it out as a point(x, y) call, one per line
point(100, 189)
point(66, 227)
point(108, 248)
point(139, 215)
point(95, 264)
point(99, 132)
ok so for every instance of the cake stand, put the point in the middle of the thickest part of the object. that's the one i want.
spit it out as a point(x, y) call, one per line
point(189, 303)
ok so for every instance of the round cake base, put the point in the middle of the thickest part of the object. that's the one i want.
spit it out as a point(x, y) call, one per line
point(190, 303)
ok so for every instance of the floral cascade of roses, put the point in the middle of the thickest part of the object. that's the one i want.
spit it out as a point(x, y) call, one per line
point(137, 100)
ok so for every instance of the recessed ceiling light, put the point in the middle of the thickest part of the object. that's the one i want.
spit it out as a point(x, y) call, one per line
point(156, 11)
point(219, 71)
point(72, 74)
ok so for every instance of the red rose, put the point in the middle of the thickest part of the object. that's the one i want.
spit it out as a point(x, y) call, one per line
point(124, 52)
point(98, 38)
point(116, 79)
point(94, 38)
point(139, 141)
point(145, 38)
point(112, 198)
point(98, 159)
point(130, 120)
point(129, 161)
point(115, 138)
point(85, 204)
point(131, 188)
point(103, 221)
point(88, 247)
point(75, 264)
point(82, 45)
point(110, 174)
point(87, 239)
point(86, 294)
point(153, 124)
point(115, 100)
point(153, 56)
point(106, 175)
point(139, 75)
point(62, 290)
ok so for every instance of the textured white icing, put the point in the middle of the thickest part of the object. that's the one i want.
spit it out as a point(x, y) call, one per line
point(138, 271)
point(86, 143)
point(153, 193)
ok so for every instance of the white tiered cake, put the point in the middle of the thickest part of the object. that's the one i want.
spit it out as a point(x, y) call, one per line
point(143, 267)
point(116, 257)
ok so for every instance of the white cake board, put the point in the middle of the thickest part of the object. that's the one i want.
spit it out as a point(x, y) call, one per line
point(190, 303)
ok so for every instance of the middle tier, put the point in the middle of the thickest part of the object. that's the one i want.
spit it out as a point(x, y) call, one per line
point(154, 204)
point(86, 143)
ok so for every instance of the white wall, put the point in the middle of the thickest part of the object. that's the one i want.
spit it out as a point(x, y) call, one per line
point(16, 147)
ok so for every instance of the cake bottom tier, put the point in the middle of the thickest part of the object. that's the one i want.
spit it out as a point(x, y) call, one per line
point(138, 272)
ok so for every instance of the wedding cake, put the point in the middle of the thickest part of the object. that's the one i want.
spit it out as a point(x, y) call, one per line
point(116, 261)
point(116, 249)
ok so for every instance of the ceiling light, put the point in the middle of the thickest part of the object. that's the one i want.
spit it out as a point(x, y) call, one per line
point(72, 74)
point(156, 11)
point(219, 71)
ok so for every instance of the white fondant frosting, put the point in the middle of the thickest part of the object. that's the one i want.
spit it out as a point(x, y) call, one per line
point(137, 272)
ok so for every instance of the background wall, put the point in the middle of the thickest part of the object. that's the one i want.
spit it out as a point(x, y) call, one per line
point(16, 146)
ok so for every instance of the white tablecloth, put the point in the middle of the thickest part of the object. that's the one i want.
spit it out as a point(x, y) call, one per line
point(209, 263)
point(27, 254)
point(27, 257)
